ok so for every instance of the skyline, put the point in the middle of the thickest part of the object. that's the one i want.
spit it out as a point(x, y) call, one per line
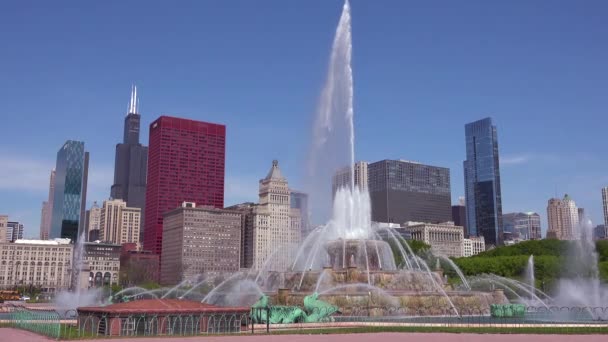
point(276, 97)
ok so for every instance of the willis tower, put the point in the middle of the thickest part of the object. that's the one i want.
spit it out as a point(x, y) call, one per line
point(130, 165)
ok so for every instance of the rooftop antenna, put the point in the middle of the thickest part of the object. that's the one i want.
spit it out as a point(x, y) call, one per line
point(133, 104)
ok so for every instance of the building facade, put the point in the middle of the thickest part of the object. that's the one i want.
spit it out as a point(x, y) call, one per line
point(103, 261)
point(444, 238)
point(605, 205)
point(562, 217)
point(3, 227)
point(473, 246)
point(14, 231)
point(138, 267)
point(47, 210)
point(40, 263)
point(342, 178)
point(44, 220)
point(403, 191)
point(522, 226)
point(276, 225)
point(247, 219)
point(93, 220)
point(199, 241)
point(131, 162)
point(186, 161)
point(299, 200)
point(459, 217)
point(482, 182)
point(69, 194)
point(118, 223)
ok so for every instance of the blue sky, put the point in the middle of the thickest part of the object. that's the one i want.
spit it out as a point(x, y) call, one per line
point(422, 69)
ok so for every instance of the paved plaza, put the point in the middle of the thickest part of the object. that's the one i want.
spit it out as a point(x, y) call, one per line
point(8, 334)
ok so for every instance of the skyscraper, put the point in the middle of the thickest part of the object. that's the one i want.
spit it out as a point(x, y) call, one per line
point(459, 216)
point(276, 226)
point(14, 231)
point(47, 210)
point(605, 205)
point(118, 223)
point(403, 191)
point(44, 220)
point(342, 177)
point(199, 241)
point(562, 216)
point(186, 161)
point(3, 228)
point(70, 185)
point(130, 165)
point(93, 219)
point(482, 182)
point(299, 200)
point(523, 226)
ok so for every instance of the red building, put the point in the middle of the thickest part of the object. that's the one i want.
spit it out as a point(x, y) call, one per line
point(186, 161)
point(138, 267)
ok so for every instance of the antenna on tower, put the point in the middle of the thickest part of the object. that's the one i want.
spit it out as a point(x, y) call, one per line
point(133, 104)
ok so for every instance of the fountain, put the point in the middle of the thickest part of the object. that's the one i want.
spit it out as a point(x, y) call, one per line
point(80, 294)
point(349, 262)
point(530, 272)
point(585, 289)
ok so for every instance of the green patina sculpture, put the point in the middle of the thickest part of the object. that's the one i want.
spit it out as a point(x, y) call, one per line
point(315, 310)
point(507, 310)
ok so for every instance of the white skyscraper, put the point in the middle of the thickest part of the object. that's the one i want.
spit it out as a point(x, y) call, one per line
point(118, 223)
point(276, 226)
point(562, 216)
point(605, 203)
point(342, 177)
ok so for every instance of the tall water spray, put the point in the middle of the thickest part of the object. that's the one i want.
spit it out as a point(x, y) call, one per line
point(530, 279)
point(333, 136)
point(585, 288)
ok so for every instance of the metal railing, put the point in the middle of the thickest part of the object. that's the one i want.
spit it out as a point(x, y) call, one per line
point(69, 324)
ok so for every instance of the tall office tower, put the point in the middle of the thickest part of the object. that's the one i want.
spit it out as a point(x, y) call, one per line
point(562, 216)
point(118, 223)
point(69, 194)
point(403, 191)
point(47, 210)
point(605, 205)
point(299, 200)
point(276, 226)
point(131, 162)
point(459, 217)
point(199, 241)
point(342, 177)
point(482, 182)
point(93, 220)
point(247, 225)
point(44, 222)
point(14, 231)
point(186, 161)
point(3, 227)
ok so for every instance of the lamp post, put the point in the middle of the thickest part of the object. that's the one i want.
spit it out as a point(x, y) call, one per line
point(369, 299)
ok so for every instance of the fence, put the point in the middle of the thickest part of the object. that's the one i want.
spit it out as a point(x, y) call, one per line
point(541, 319)
point(68, 324)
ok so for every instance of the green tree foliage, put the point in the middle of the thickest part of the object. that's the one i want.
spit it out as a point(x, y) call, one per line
point(550, 258)
point(418, 247)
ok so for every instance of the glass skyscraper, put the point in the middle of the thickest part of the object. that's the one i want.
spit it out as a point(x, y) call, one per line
point(482, 182)
point(69, 198)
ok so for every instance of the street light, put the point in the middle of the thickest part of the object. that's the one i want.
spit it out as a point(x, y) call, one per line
point(369, 299)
